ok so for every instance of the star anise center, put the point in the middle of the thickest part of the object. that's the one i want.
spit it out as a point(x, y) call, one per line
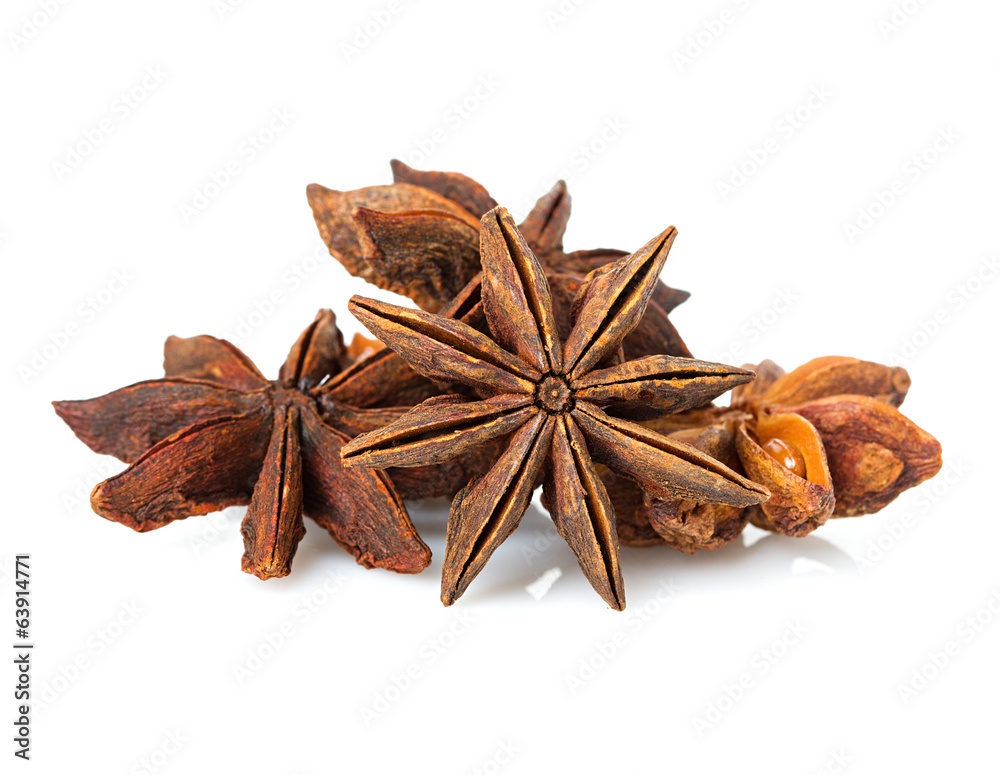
point(287, 397)
point(553, 394)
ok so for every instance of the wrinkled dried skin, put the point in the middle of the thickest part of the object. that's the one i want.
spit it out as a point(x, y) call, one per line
point(445, 349)
point(207, 467)
point(362, 347)
point(545, 225)
point(875, 453)
point(691, 526)
point(836, 375)
point(272, 527)
point(610, 306)
point(797, 505)
point(359, 508)
point(129, 421)
point(665, 468)
point(459, 188)
point(439, 429)
point(429, 255)
point(213, 360)
point(381, 380)
point(318, 353)
point(489, 509)
point(332, 212)
point(658, 385)
point(747, 395)
point(655, 335)
point(516, 295)
point(630, 510)
point(582, 512)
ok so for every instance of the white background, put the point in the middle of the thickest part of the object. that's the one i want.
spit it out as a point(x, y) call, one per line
point(596, 94)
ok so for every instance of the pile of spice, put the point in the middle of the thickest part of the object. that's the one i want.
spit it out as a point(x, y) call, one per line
point(523, 366)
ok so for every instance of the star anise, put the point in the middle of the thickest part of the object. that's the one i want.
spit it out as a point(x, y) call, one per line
point(826, 439)
point(553, 401)
point(216, 433)
point(419, 237)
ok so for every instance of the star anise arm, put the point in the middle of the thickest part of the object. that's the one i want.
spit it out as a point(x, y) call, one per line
point(439, 429)
point(582, 512)
point(516, 295)
point(381, 379)
point(445, 349)
point(662, 466)
point(129, 421)
point(430, 255)
point(545, 225)
point(472, 196)
point(332, 212)
point(612, 305)
point(489, 509)
point(215, 360)
point(203, 468)
point(272, 527)
point(358, 507)
point(658, 384)
point(317, 353)
point(655, 335)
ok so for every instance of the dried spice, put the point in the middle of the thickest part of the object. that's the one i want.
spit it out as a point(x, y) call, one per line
point(551, 399)
point(419, 237)
point(216, 433)
point(826, 439)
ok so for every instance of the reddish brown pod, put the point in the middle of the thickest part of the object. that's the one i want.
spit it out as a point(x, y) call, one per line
point(214, 432)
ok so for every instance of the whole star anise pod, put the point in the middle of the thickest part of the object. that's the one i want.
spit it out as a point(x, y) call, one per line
point(216, 433)
point(826, 439)
point(554, 402)
point(419, 237)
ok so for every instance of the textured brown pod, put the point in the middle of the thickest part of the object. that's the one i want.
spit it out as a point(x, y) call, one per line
point(802, 492)
point(836, 375)
point(874, 452)
point(691, 526)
